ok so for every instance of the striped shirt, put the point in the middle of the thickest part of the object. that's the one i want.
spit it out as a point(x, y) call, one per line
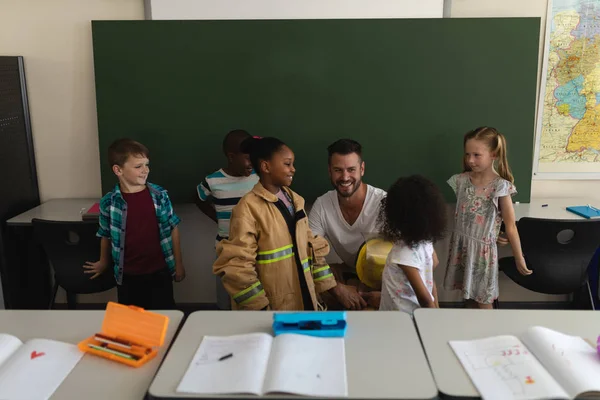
point(225, 191)
point(113, 221)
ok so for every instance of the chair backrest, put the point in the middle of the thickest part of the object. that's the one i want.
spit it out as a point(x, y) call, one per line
point(68, 245)
point(558, 252)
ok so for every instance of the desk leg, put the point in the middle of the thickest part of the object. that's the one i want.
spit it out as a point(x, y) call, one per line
point(594, 278)
point(3, 268)
point(27, 271)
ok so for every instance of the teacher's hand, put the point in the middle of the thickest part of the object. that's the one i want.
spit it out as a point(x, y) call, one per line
point(350, 299)
point(373, 299)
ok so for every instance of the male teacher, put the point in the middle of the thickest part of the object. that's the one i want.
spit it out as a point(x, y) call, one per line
point(345, 215)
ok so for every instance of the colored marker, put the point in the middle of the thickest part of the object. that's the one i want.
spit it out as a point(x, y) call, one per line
point(106, 339)
point(115, 352)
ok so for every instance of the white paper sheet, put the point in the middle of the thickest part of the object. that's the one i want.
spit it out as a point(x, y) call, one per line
point(37, 369)
point(306, 365)
point(573, 363)
point(8, 345)
point(501, 368)
point(243, 372)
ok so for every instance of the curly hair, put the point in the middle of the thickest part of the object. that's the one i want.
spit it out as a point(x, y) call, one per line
point(413, 211)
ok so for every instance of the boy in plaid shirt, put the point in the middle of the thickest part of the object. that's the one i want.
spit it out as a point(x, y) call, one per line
point(138, 227)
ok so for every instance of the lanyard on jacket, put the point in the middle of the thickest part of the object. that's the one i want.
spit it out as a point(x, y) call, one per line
point(291, 220)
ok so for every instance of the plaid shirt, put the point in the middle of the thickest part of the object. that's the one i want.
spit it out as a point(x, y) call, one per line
point(113, 221)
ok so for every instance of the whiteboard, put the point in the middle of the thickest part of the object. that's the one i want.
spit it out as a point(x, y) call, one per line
point(292, 9)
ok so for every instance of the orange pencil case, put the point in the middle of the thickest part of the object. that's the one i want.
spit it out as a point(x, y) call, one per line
point(130, 335)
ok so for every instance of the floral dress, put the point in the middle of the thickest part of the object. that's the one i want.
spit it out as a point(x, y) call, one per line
point(473, 256)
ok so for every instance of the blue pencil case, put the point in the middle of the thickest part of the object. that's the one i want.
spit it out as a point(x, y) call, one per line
point(585, 211)
point(315, 323)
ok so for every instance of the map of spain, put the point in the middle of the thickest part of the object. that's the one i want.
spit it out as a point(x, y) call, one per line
point(570, 124)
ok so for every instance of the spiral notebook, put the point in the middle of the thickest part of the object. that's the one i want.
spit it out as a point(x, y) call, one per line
point(587, 211)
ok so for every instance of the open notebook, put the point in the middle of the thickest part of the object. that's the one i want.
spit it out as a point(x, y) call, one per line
point(544, 364)
point(257, 364)
point(35, 369)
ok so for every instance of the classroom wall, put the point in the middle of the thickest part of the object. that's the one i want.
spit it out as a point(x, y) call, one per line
point(539, 188)
point(526, 8)
point(55, 39)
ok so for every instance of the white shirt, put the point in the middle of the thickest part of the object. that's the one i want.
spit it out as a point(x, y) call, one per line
point(396, 291)
point(326, 219)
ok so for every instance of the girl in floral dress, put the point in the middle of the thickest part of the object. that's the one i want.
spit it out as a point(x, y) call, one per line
point(483, 200)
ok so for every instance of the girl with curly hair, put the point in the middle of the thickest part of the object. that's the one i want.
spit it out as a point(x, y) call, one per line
point(413, 217)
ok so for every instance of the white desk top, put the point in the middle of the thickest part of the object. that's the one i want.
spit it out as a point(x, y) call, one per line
point(93, 377)
point(72, 209)
point(384, 358)
point(55, 210)
point(555, 209)
point(438, 326)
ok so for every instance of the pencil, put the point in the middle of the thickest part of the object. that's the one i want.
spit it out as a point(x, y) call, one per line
point(115, 352)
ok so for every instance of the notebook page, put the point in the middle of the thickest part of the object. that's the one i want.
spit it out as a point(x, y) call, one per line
point(307, 365)
point(572, 361)
point(8, 345)
point(243, 372)
point(37, 369)
point(502, 368)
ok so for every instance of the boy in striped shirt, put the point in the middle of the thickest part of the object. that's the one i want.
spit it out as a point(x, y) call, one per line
point(220, 191)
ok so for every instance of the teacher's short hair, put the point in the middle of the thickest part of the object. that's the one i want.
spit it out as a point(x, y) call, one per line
point(344, 147)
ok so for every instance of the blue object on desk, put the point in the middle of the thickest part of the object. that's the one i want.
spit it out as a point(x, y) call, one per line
point(321, 324)
point(585, 211)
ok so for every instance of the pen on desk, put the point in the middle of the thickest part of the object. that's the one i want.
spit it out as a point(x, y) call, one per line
point(544, 205)
point(114, 341)
point(115, 352)
point(593, 208)
point(225, 357)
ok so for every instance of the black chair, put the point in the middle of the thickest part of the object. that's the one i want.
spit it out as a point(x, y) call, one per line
point(559, 253)
point(68, 245)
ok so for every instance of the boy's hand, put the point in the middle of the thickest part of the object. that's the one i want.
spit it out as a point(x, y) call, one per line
point(97, 268)
point(179, 273)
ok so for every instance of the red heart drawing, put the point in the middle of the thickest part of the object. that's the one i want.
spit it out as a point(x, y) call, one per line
point(35, 354)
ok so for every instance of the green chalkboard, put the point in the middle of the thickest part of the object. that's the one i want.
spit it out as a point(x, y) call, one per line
point(406, 89)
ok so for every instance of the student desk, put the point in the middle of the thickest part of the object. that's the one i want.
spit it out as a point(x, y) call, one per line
point(54, 210)
point(93, 377)
point(554, 209)
point(384, 358)
point(438, 326)
point(72, 209)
